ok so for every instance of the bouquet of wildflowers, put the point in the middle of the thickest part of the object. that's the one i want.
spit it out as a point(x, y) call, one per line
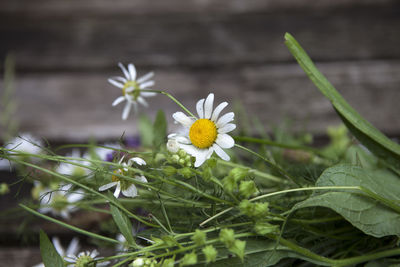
point(203, 196)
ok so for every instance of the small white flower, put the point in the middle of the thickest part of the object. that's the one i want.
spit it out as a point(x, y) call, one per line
point(206, 134)
point(74, 170)
point(128, 189)
point(24, 143)
point(72, 249)
point(131, 88)
point(60, 202)
point(84, 258)
point(138, 262)
point(172, 146)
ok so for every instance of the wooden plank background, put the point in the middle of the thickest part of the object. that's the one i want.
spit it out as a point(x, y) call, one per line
point(66, 50)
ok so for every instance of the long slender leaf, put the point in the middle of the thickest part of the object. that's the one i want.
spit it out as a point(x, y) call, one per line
point(365, 132)
point(123, 223)
point(50, 256)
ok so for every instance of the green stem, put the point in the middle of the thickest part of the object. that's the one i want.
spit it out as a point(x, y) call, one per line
point(173, 99)
point(73, 228)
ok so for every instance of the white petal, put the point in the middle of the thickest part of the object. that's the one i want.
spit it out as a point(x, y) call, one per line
point(200, 108)
point(129, 89)
point(93, 254)
point(145, 77)
point(148, 94)
point(227, 128)
point(107, 186)
point(208, 106)
point(57, 246)
point(75, 197)
point(202, 156)
point(131, 191)
point(146, 84)
point(221, 153)
point(141, 178)
point(65, 214)
point(225, 141)
point(190, 149)
point(142, 101)
point(115, 83)
point(228, 117)
point(117, 190)
point(218, 110)
point(126, 110)
point(132, 71)
point(124, 70)
point(121, 79)
point(182, 119)
point(73, 246)
point(183, 140)
point(138, 161)
point(118, 100)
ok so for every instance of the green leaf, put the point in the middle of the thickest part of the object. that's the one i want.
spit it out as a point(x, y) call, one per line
point(123, 223)
point(258, 252)
point(365, 132)
point(50, 256)
point(145, 131)
point(159, 129)
point(365, 213)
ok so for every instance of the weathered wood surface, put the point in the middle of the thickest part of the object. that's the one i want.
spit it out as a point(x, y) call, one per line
point(202, 40)
point(76, 105)
point(65, 51)
point(19, 257)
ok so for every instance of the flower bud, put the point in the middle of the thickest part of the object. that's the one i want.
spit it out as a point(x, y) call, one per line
point(169, 170)
point(189, 259)
point(139, 262)
point(210, 252)
point(247, 188)
point(199, 237)
point(227, 236)
point(186, 172)
point(172, 146)
point(264, 228)
point(4, 189)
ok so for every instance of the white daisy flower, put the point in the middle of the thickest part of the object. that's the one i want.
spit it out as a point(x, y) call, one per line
point(131, 88)
point(25, 143)
point(72, 249)
point(84, 258)
point(60, 202)
point(74, 170)
point(128, 189)
point(206, 134)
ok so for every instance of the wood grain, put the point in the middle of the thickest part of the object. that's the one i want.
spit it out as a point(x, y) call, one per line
point(74, 106)
point(77, 43)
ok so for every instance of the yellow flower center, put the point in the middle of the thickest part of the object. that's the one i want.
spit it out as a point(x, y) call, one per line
point(203, 133)
point(115, 178)
point(135, 92)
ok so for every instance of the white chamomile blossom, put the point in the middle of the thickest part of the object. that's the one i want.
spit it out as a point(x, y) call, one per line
point(84, 259)
point(60, 202)
point(72, 169)
point(24, 143)
point(206, 134)
point(128, 189)
point(132, 88)
point(71, 250)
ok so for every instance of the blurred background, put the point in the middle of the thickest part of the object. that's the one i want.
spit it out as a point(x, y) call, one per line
point(66, 50)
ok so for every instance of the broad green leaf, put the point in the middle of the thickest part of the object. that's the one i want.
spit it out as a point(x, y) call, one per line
point(145, 131)
point(258, 252)
point(50, 256)
point(365, 213)
point(159, 129)
point(365, 132)
point(123, 223)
